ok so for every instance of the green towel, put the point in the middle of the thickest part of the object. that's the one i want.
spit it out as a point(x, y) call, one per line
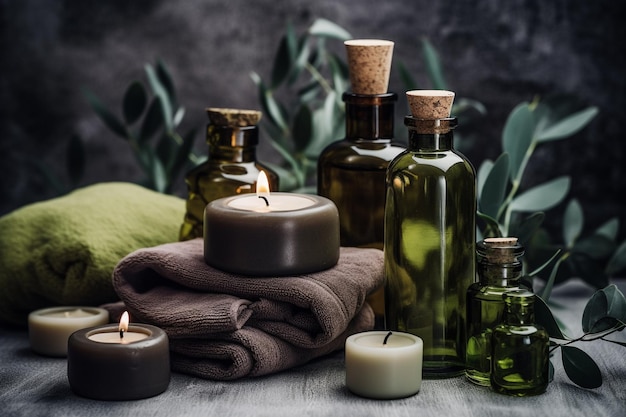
point(63, 251)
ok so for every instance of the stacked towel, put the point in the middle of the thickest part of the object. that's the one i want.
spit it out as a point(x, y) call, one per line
point(63, 251)
point(225, 326)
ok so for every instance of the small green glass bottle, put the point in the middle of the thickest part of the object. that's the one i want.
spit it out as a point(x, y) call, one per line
point(231, 167)
point(499, 270)
point(430, 242)
point(520, 349)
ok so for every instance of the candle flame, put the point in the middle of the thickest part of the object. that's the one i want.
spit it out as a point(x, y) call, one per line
point(124, 322)
point(262, 185)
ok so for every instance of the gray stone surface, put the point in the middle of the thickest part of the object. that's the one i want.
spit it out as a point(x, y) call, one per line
point(500, 53)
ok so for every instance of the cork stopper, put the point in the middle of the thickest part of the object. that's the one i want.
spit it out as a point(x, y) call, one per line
point(369, 63)
point(233, 117)
point(501, 249)
point(430, 104)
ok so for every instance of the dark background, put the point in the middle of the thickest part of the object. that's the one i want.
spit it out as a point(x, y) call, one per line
point(498, 52)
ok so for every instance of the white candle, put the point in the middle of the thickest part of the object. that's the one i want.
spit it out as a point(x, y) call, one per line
point(384, 365)
point(49, 328)
point(121, 336)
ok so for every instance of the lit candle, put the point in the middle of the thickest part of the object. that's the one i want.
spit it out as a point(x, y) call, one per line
point(384, 365)
point(271, 234)
point(118, 362)
point(49, 328)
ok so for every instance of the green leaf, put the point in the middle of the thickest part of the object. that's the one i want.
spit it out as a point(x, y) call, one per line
point(75, 159)
point(339, 72)
point(109, 119)
point(269, 104)
point(492, 228)
point(605, 310)
point(527, 227)
point(494, 188)
point(301, 129)
point(182, 154)
point(595, 247)
point(161, 92)
point(166, 80)
point(542, 197)
point(300, 59)
point(547, 290)
point(482, 173)
point(580, 368)
point(617, 263)
point(152, 122)
point(545, 264)
point(573, 222)
point(283, 58)
point(587, 269)
point(433, 66)
point(178, 116)
point(517, 136)
point(326, 28)
point(544, 317)
point(134, 102)
point(609, 229)
point(567, 126)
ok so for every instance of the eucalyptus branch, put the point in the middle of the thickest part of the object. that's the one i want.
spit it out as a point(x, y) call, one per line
point(319, 78)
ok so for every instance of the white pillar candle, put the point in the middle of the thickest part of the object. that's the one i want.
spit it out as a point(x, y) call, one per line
point(384, 365)
point(50, 328)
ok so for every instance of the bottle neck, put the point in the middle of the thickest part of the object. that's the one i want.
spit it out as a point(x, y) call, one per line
point(232, 144)
point(370, 117)
point(520, 315)
point(430, 135)
point(498, 274)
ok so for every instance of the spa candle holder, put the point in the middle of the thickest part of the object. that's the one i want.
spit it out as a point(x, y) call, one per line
point(271, 234)
point(384, 365)
point(118, 362)
point(50, 328)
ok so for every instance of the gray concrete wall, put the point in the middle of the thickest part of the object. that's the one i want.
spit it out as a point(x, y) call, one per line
point(498, 52)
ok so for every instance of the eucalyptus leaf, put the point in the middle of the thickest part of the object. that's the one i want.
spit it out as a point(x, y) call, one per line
point(178, 116)
point(282, 61)
point(595, 247)
point(301, 128)
point(573, 222)
point(166, 80)
point(303, 52)
point(587, 269)
point(494, 188)
point(339, 72)
point(605, 309)
point(308, 92)
point(433, 65)
point(544, 317)
point(481, 175)
point(609, 229)
point(617, 263)
point(326, 28)
point(526, 229)
point(547, 290)
point(109, 119)
point(492, 228)
point(567, 126)
point(159, 176)
point(134, 102)
point(517, 137)
point(164, 99)
point(152, 122)
point(580, 368)
point(542, 197)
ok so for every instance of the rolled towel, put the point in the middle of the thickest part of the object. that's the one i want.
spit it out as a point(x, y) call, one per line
point(63, 251)
point(225, 326)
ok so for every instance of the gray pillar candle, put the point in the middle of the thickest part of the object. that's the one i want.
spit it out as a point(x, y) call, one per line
point(101, 365)
point(271, 234)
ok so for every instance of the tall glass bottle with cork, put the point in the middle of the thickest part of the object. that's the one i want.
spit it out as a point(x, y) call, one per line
point(231, 167)
point(351, 171)
point(499, 269)
point(521, 356)
point(430, 235)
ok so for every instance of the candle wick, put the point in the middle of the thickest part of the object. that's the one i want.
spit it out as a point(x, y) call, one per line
point(267, 203)
point(121, 333)
point(386, 337)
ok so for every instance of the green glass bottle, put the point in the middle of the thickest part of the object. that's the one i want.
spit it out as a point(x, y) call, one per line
point(430, 243)
point(499, 270)
point(231, 167)
point(520, 349)
point(351, 173)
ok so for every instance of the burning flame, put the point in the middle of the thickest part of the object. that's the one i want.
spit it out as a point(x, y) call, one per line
point(262, 185)
point(124, 322)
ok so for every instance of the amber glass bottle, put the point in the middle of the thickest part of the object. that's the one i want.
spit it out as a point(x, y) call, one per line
point(351, 173)
point(430, 244)
point(499, 270)
point(231, 167)
point(521, 357)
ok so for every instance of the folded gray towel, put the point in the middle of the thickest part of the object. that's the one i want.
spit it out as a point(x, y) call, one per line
point(214, 318)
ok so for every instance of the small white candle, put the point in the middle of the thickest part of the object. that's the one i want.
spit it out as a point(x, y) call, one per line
point(384, 365)
point(122, 335)
point(49, 328)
